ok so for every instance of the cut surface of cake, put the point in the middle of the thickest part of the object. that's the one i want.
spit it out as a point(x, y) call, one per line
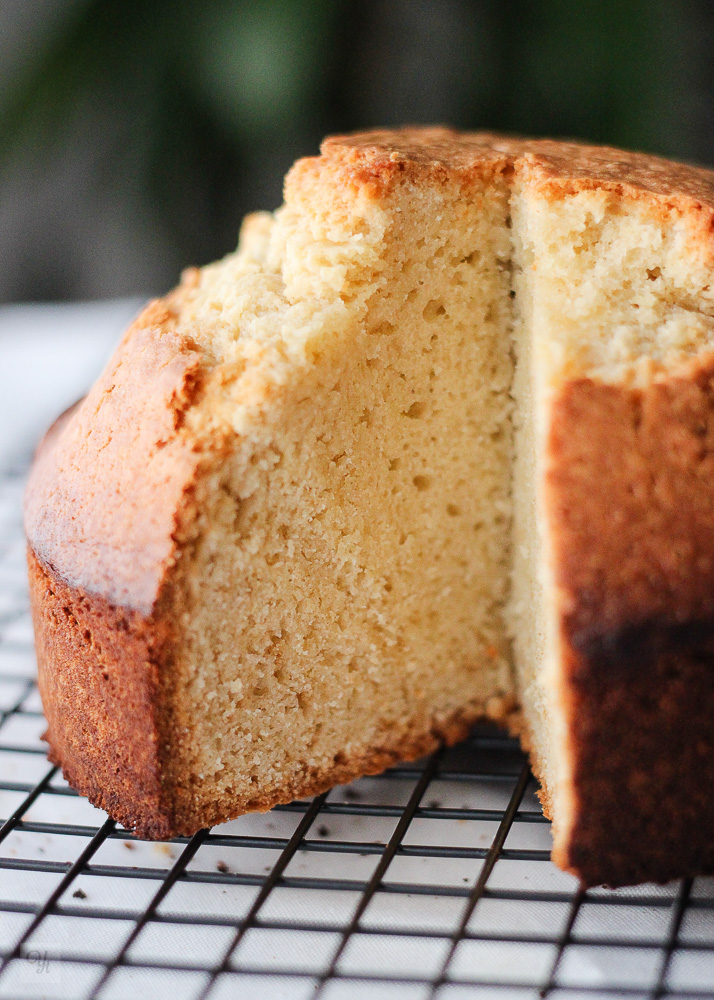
point(435, 444)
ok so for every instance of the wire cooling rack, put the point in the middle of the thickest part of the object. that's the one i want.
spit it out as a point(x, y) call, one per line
point(430, 881)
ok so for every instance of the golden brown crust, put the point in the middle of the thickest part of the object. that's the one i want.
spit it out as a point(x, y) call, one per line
point(631, 510)
point(571, 167)
point(567, 166)
point(383, 156)
point(106, 490)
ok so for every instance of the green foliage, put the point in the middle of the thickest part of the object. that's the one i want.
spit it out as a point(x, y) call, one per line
point(257, 64)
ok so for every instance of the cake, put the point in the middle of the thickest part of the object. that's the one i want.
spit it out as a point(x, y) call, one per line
point(436, 444)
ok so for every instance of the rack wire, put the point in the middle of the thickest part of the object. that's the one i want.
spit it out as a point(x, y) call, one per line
point(430, 881)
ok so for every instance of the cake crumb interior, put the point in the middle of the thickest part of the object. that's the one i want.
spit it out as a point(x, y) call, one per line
point(341, 602)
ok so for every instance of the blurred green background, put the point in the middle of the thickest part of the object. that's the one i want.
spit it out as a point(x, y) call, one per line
point(134, 135)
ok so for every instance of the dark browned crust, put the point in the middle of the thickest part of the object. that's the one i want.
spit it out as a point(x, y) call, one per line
point(98, 677)
point(630, 495)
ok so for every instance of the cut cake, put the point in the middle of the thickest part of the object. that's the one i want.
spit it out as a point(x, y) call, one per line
point(436, 443)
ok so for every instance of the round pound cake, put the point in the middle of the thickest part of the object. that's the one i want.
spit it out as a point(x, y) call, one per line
point(435, 444)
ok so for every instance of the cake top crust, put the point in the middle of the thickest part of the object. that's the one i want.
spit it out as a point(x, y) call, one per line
point(385, 152)
point(444, 147)
point(108, 483)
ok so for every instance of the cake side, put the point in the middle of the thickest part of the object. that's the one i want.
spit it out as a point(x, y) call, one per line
point(614, 295)
point(630, 494)
point(108, 494)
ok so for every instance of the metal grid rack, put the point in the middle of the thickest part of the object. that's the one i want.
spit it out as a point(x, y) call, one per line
point(430, 881)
